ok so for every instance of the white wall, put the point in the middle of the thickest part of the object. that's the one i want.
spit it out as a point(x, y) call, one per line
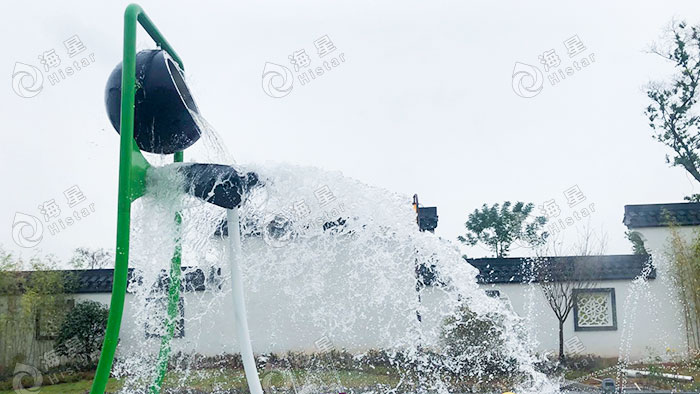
point(215, 333)
point(279, 322)
point(649, 318)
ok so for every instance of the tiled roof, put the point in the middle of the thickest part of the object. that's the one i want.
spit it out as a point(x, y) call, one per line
point(518, 270)
point(427, 219)
point(100, 280)
point(94, 281)
point(661, 215)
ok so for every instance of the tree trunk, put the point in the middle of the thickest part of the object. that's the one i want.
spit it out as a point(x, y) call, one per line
point(561, 341)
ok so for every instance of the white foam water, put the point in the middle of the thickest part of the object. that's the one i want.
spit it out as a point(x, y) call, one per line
point(325, 259)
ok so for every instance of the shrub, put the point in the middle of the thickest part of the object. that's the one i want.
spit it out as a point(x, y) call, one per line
point(474, 344)
point(82, 331)
point(685, 268)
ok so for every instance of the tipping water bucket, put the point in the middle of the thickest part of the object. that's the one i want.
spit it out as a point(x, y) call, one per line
point(163, 110)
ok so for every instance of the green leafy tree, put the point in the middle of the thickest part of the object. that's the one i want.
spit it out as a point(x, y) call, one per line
point(637, 242)
point(33, 296)
point(673, 112)
point(8, 284)
point(83, 330)
point(499, 226)
point(32, 286)
point(684, 255)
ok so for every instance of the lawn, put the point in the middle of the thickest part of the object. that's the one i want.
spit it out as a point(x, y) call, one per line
point(211, 380)
point(607, 368)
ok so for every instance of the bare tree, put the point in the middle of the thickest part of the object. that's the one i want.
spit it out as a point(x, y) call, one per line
point(91, 258)
point(590, 242)
point(558, 276)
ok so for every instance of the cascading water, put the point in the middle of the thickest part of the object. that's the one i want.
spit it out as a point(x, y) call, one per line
point(328, 265)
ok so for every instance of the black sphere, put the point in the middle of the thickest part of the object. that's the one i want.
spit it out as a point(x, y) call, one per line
point(163, 111)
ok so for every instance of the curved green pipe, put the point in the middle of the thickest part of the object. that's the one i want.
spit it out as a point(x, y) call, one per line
point(173, 301)
point(171, 320)
point(132, 185)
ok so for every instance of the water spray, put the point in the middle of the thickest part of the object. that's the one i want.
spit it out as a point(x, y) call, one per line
point(358, 280)
point(150, 106)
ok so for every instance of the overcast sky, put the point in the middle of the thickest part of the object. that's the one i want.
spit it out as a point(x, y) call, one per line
point(422, 101)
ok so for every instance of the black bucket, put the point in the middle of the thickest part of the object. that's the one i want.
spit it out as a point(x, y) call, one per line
point(163, 119)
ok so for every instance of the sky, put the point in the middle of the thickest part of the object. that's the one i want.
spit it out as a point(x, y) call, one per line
point(423, 99)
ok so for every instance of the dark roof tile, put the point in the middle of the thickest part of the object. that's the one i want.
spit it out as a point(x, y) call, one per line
point(517, 269)
point(100, 280)
point(661, 215)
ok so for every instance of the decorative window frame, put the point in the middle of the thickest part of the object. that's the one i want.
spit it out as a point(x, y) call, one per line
point(613, 309)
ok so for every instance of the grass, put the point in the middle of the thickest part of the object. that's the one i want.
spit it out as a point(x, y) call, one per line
point(583, 366)
point(233, 379)
point(80, 386)
point(209, 380)
point(597, 369)
point(655, 380)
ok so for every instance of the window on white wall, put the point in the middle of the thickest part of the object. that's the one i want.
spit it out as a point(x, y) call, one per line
point(594, 309)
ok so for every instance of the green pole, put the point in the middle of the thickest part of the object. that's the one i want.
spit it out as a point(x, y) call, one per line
point(173, 300)
point(132, 174)
point(121, 263)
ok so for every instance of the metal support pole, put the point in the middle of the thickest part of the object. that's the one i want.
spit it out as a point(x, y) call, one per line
point(240, 316)
point(132, 172)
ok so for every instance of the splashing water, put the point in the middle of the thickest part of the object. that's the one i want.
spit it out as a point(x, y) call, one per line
point(329, 263)
point(641, 298)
